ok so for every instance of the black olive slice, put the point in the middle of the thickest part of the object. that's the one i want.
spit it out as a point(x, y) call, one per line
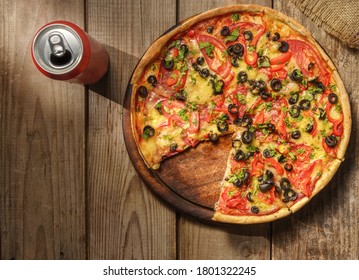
point(310, 65)
point(269, 174)
point(321, 86)
point(173, 147)
point(236, 144)
point(238, 49)
point(263, 61)
point(181, 95)
point(152, 80)
point(254, 209)
point(275, 37)
point(142, 91)
point(276, 84)
point(264, 95)
point(268, 34)
point(261, 85)
point(246, 120)
point(296, 75)
point(266, 186)
point(333, 98)
point(237, 121)
point(304, 104)
point(200, 60)
point(293, 98)
point(239, 156)
point(233, 109)
point(331, 141)
point(246, 176)
point(184, 48)
point(168, 63)
point(222, 126)
point(249, 154)
point(288, 167)
point(281, 158)
point(210, 29)
point(309, 127)
point(148, 131)
point(295, 134)
point(225, 31)
point(248, 35)
point(260, 179)
point(322, 114)
point(247, 137)
point(294, 111)
point(285, 184)
point(249, 197)
point(284, 47)
point(271, 127)
point(238, 183)
point(266, 153)
point(204, 73)
point(290, 195)
point(217, 86)
point(242, 77)
point(213, 137)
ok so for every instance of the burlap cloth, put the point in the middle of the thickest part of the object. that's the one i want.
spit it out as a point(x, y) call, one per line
point(338, 17)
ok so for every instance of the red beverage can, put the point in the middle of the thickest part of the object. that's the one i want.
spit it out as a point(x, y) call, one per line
point(63, 51)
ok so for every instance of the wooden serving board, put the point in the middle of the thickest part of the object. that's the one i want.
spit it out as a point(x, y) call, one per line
point(189, 181)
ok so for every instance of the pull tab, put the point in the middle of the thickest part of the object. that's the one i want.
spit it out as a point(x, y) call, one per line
point(59, 56)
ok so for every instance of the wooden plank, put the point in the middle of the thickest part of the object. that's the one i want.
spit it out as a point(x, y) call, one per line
point(126, 221)
point(326, 228)
point(199, 241)
point(41, 143)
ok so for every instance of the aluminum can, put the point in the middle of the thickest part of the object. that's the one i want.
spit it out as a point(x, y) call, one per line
point(63, 51)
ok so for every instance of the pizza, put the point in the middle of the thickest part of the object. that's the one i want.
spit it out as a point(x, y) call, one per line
point(258, 75)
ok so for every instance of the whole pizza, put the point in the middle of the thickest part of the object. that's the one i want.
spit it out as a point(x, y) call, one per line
point(258, 75)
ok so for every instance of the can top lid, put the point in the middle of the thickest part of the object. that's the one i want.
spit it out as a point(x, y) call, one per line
point(57, 49)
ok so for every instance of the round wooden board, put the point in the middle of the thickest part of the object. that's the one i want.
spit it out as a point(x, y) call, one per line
point(189, 181)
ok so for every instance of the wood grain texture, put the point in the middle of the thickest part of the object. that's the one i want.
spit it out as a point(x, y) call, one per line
point(126, 221)
point(327, 228)
point(198, 241)
point(41, 143)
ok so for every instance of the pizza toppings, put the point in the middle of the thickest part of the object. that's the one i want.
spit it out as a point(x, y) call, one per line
point(276, 84)
point(333, 98)
point(331, 141)
point(284, 47)
point(275, 93)
point(148, 131)
point(142, 91)
point(225, 31)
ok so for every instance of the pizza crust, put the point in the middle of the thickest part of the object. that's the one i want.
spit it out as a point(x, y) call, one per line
point(154, 51)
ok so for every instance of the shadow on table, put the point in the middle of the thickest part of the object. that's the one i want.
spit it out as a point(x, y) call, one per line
point(113, 85)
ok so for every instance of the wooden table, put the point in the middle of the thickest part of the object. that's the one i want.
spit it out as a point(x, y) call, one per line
point(67, 187)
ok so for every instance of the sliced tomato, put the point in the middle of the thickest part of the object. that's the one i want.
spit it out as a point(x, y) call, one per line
point(330, 151)
point(275, 71)
point(315, 128)
point(272, 162)
point(218, 100)
point(338, 128)
point(215, 63)
point(259, 118)
point(304, 54)
point(251, 26)
point(281, 59)
point(234, 199)
point(268, 197)
point(257, 165)
point(303, 178)
point(194, 122)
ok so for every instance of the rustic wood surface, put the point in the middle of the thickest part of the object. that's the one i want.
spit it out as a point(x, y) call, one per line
point(67, 187)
